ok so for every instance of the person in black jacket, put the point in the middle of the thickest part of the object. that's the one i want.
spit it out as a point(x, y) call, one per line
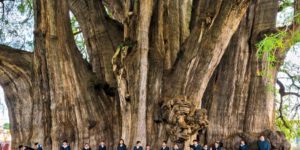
point(195, 145)
point(86, 147)
point(243, 145)
point(65, 146)
point(205, 147)
point(37, 146)
point(164, 146)
point(28, 148)
point(21, 147)
point(121, 145)
point(102, 146)
point(138, 146)
point(217, 146)
point(176, 147)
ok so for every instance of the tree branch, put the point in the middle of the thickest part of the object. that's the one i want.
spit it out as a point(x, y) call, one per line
point(203, 50)
point(102, 35)
point(281, 92)
point(21, 60)
point(116, 7)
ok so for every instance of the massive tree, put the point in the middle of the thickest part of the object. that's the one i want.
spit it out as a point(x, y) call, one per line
point(159, 70)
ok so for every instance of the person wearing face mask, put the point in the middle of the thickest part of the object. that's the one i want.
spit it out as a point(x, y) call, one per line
point(196, 145)
point(121, 145)
point(65, 145)
point(86, 147)
point(138, 146)
point(243, 146)
point(164, 146)
point(102, 146)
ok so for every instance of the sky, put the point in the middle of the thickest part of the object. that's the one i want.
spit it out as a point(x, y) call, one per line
point(3, 109)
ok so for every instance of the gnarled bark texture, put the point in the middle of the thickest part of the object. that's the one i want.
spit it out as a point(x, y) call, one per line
point(159, 70)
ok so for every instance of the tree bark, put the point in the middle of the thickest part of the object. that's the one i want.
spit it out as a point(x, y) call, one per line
point(155, 73)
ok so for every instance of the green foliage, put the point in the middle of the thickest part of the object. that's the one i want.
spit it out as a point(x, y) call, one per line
point(6, 126)
point(285, 3)
point(25, 6)
point(292, 131)
point(21, 8)
point(268, 46)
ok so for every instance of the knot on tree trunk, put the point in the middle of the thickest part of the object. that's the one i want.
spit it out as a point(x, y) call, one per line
point(182, 119)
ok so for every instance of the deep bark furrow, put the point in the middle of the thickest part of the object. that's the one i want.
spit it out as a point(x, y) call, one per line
point(200, 58)
point(102, 35)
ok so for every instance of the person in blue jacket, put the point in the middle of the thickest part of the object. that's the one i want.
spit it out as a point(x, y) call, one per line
point(263, 144)
point(138, 146)
point(196, 145)
point(121, 145)
point(243, 145)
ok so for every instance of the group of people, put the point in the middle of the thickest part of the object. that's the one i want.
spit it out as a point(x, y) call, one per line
point(262, 145)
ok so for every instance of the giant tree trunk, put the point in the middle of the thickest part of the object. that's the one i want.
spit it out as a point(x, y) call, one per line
point(156, 73)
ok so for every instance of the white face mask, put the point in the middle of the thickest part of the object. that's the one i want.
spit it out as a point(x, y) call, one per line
point(86, 147)
point(65, 145)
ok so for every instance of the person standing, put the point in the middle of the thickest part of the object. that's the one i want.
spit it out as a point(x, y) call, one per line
point(263, 144)
point(65, 146)
point(217, 146)
point(205, 147)
point(102, 146)
point(148, 147)
point(121, 145)
point(243, 145)
point(164, 146)
point(138, 146)
point(37, 146)
point(86, 147)
point(196, 145)
point(21, 147)
point(176, 147)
